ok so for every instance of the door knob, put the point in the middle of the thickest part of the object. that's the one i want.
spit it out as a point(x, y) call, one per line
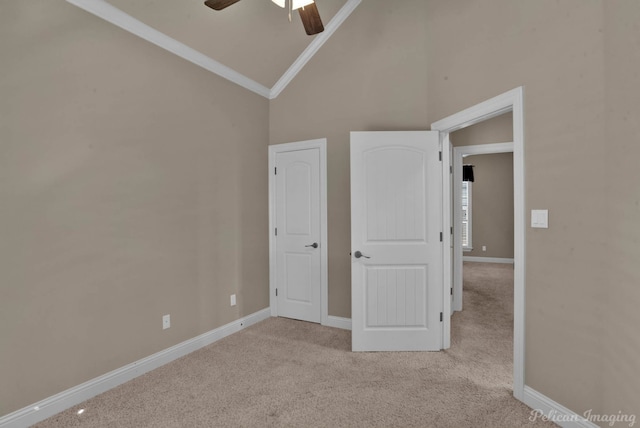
point(358, 254)
point(314, 245)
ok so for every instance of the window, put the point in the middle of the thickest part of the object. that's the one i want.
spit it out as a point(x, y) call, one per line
point(466, 216)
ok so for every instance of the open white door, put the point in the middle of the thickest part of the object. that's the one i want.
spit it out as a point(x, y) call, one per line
point(396, 233)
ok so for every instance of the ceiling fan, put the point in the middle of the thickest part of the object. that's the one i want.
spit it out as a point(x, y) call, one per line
point(307, 8)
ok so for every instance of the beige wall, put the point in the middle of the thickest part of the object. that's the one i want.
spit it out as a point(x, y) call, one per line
point(132, 185)
point(493, 208)
point(620, 291)
point(555, 50)
point(371, 76)
point(126, 189)
point(492, 205)
point(498, 129)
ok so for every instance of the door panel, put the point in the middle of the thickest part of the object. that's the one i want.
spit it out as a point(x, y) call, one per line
point(297, 194)
point(396, 221)
point(395, 296)
point(297, 221)
point(298, 269)
point(395, 206)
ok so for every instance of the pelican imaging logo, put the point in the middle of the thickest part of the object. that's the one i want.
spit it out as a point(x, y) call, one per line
point(589, 415)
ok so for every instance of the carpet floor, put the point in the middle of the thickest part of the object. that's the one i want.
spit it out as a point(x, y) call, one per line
point(286, 373)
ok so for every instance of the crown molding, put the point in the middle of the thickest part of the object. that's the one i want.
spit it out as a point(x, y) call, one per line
point(112, 14)
point(117, 17)
point(313, 47)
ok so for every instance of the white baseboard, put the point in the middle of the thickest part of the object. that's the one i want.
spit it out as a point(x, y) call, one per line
point(486, 259)
point(57, 403)
point(50, 406)
point(338, 322)
point(544, 407)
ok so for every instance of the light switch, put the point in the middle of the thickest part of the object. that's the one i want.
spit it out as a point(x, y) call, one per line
point(540, 219)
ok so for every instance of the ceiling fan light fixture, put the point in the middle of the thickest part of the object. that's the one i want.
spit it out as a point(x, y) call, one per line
point(310, 16)
point(297, 4)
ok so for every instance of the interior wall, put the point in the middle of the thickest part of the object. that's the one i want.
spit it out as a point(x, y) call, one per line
point(133, 183)
point(498, 129)
point(620, 292)
point(492, 205)
point(133, 186)
point(370, 76)
point(493, 218)
point(556, 51)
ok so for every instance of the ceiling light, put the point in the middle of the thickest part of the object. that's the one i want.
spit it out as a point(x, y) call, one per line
point(295, 4)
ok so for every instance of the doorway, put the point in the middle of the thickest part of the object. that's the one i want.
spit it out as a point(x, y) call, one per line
point(298, 230)
point(464, 244)
point(511, 101)
point(483, 244)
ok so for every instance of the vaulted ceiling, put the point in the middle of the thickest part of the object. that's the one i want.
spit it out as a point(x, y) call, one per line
point(252, 37)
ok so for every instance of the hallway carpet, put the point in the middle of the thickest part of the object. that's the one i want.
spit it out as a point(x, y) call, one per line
point(286, 373)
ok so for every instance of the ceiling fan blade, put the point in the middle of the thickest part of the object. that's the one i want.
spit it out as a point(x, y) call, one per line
point(311, 19)
point(220, 4)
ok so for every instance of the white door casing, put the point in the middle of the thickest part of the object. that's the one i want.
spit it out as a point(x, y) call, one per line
point(396, 224)
point(510, 101)
point(298, 230)
point(451, 234)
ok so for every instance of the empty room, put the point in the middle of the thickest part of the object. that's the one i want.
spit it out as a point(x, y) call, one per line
point(244, 213)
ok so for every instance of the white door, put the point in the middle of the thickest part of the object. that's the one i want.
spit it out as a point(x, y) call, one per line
point(297, 234)
point(396, 227)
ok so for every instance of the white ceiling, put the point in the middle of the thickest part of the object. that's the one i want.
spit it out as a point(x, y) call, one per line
point(252, 37)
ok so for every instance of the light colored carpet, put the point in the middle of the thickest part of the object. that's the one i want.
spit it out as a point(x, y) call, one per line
point(286, 373)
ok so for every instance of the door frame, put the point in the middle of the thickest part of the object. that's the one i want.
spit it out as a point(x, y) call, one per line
point(457, 161)
point(510, 101)
point(320, 144)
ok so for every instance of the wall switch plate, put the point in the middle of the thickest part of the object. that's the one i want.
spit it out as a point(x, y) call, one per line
point(166, 321)
point(233, 300)
point(540, 219)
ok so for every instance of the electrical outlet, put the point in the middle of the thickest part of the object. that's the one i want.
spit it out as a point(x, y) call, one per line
point(166, 321)
point(484, 248)
point(233, 300)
